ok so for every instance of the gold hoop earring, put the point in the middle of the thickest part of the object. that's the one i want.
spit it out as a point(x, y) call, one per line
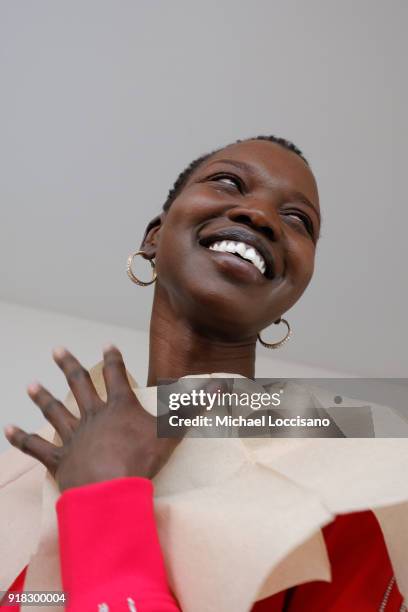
point(275, 345)
point(134, 278)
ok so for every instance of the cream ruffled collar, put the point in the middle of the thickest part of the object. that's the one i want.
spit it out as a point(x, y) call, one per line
point(246, 512)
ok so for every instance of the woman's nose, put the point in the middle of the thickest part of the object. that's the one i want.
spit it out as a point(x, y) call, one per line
point(267, 223)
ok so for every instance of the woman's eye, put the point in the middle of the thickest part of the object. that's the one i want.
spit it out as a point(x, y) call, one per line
point(229, 180)
point(306, 222)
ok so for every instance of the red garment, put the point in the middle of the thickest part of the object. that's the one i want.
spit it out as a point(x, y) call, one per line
point(110, 552)
point(361, 572)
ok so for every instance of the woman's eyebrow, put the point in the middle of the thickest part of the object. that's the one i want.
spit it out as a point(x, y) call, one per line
point(248, 168)
point(232, 162)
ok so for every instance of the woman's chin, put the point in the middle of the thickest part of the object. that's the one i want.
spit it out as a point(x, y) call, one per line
point(221, 307)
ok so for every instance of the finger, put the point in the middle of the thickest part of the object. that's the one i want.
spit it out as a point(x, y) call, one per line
point(114, 372)
point(54, 411)
point(79, 380)
point(33, 445)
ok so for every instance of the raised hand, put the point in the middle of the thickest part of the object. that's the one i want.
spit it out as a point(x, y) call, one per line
point(111, 439)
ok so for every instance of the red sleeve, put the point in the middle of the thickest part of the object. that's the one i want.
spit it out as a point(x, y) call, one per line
point(109, 548)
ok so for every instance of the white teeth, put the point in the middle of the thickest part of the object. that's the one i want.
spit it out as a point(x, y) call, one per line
point(244, 250)
point(250, 254)
point(241, 248)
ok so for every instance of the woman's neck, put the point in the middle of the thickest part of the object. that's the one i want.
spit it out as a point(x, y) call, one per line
point(177, 349)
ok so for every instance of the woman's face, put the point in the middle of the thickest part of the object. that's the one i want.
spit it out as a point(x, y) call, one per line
point(253, 194)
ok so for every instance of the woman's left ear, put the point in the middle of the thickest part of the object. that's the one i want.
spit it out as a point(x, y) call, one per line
point(149, 241)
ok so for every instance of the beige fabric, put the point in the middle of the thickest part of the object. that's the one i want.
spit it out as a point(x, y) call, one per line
point(238, 519)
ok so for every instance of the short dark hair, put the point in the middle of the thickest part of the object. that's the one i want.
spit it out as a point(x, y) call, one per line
point(186, 173)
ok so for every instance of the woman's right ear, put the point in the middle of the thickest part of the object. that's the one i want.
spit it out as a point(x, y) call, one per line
point(149, 241)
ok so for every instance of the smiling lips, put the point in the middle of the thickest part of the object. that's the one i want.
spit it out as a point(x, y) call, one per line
point(242, 243)
point(243, 250)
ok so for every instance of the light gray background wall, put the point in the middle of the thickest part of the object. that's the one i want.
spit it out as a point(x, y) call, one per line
point(103, 103)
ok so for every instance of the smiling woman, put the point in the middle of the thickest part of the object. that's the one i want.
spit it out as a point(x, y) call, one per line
point(232, 251)
point(259, 193)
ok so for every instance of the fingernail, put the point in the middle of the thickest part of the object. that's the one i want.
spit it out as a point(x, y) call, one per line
point(33, 387)
point(109, 347)
point(59, 352)
point(8, 430)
